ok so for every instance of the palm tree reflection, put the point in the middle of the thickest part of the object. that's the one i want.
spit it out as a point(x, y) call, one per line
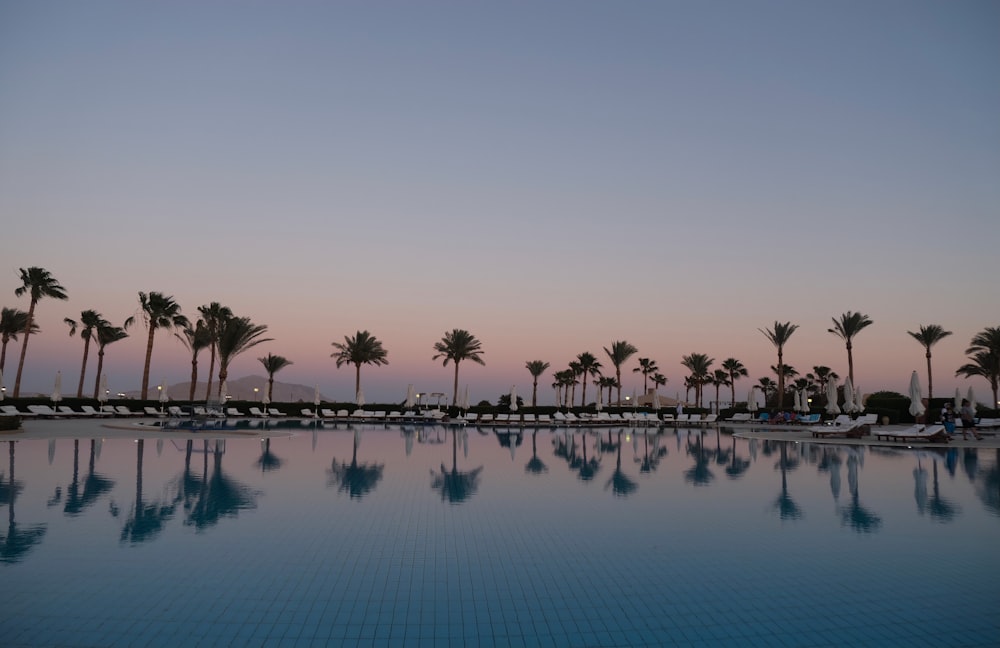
point(145, 520)
point(784, 504)
point(354, 478)
point(620, 483)
point(854, 514)
point(535, 465)
point(94, 484)
point(699, 474)
point(650, 460)
point(18, 540)
point(738, 465)
point(939, 508)
point(268, 460)
point(218, 495)
point(455, 486)
point(987, 485)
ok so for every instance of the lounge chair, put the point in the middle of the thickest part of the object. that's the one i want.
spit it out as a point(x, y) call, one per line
point(668, 419)
point(695, 419)
point(69, 411)
point(683, 418)
point(175, 411)
point(307, 413)
point(152, 411)
point(232, 411)
point(255, 411)
point(931, 434)
point(529, 419)
point(545, 419)
point(867, 419)
point(90, 411)
point(850, 430)
point(710, 419)
point(273, 411)
point(328, 413)
point(123, 410)
point(110, 410)
point(44, 411)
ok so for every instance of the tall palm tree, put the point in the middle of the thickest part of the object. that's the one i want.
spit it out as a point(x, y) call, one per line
point(647, 368)
point(12, 323)
point(90, 321)
point(735, 369)
point(619, 353)
point(984, 348)
point(659, 380)
point(458, 345)
point(985, 364)
point(767, 386)
point(363, 348)
point(821, 375)
point(784, 372)
point(215, 316)
point(849, 325)
point(720, 378)
point(107, 335)
point(574, 372)
point(607, 382)
point(272, 365)
point(928, 336)
point(536, 368)
point(589, 366)
point(158, 311)
point(38, 283)
point(779, 338)
point(195, 339)
point(563, 380)
point(699, 364)
point(237, 335)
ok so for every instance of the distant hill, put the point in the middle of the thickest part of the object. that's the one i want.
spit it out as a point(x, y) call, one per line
point(239, 389)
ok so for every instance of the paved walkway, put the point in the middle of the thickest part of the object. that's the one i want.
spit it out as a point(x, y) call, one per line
point(990, 438)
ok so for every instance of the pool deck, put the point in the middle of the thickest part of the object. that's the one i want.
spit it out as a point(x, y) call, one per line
point(990, 439)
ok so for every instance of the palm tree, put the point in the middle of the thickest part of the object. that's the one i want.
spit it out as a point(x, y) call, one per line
point(236, 336)
point(195, 339)
point(784, 372)
point(12, 323)
point(736, 370)
point(985, 364)
point(779, 337)
point(38, 283)
point(455, 346)
point(659, 380)
point(607, 382)
point(984, 348)
point(107, 335)
point(619, 353)
point(849, 325)
point(272, 365)
point(90, 321)
point(574, 372)
point(928, 336)
point(536, 368)
point(158, 311)
point(821, 375)
point(589, 366)
point(699, 364)
point(647, 368)
point(564, 379)
point(720, 378)
point(215, 316)
point(690, 382)
point(767, 386)
point(363, 348)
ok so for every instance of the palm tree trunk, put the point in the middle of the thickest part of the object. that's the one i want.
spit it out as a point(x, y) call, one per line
point(930, 380)
point(732, 387)
point(149, 356)
point(583, 392)
point(24, 347)
point(618, 377)
point(534, 392)
point(357, 378)
point(781, 380)
point(211, 370)
point(850, 362)
point(100, 367)
point(3, 352)
point(270, 386)
point(454, 397)
point(83, 368)
point(194, 379)
point(223, 374)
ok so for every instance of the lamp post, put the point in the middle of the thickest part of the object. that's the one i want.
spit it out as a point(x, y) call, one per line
point(255, 390)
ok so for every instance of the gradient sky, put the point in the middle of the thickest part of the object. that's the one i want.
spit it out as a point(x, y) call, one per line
point(549, 176)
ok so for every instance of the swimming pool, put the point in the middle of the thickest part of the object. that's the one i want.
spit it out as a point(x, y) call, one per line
point(391, 536)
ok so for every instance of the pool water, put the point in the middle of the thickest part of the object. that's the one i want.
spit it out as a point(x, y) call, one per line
point(427, 536)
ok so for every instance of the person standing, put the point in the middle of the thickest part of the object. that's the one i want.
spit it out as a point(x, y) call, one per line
point(968, 416)
point(948, 418)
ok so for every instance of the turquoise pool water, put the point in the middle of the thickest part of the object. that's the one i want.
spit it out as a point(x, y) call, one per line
point(390, 536)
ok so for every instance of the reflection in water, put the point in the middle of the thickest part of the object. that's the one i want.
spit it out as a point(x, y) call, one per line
point(737, 465)
point(988, 486)
point(94, 484)
point(509, 439)
point(19, 539)
point(357, 479)
point(219, 495)
point(455, 486)
point(651, 457)
point(268, 460)
point(535, 465)
point(854, 514)
point(830, 461)
point(784, 504)
point(620, 483)
point(699, 474)
point(145, 520)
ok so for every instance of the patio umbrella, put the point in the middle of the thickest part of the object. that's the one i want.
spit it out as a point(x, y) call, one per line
point(831, 398)
point(317, 400)
point(359, 398)
point(656, 401)
point(57, 390)
point(849, 406)
point(600, 400)
point(513, 399)
point(164, 396)
point(859, 400)
point(752, 400)
point(266, 398)
point(1, 385)
point(102, 393)
point(972, 398)
point(464, 402)
point(958, 399)
point(916, 407)
point(411, 397)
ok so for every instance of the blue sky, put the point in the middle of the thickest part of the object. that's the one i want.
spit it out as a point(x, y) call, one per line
point(550, 176)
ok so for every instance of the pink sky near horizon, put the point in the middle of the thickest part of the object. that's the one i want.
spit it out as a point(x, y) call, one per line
point(550, 178)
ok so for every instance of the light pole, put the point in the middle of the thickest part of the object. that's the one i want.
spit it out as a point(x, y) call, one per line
point(255, 390)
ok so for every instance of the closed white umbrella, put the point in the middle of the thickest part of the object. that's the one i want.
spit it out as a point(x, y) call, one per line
point(164, 395)
point(57, 389)
point(752, 400)
point(1, 385)
point(317, 401)
point(656, 401)
point(411, 397)
point(849, 406)
point(102, 393)
point(958, 399)
point(972, 398)
point(831, 398)
point(513, 399)
point(266, 398)
point(859, 400)
point(359, 398)
point(464, 401)
point(599, 405)
point(916, 406)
